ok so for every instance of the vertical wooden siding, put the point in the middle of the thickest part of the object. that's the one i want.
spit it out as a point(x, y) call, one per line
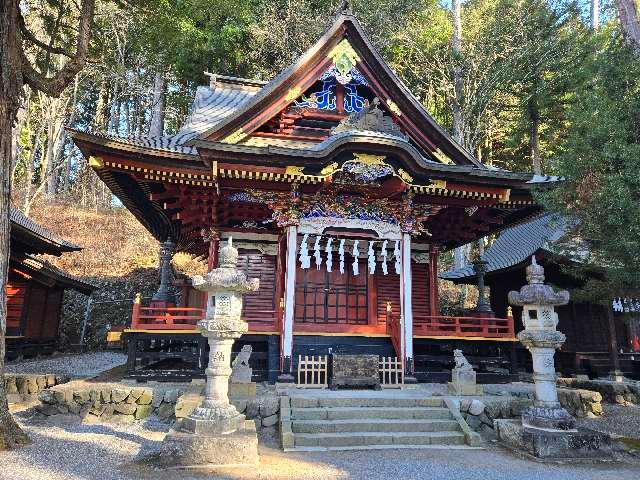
point(16, 293)
point(389, 291)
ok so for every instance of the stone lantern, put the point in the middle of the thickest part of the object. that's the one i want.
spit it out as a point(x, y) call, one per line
point(215, 433)
point(542, 339)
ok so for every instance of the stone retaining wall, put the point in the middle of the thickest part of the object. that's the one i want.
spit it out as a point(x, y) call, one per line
point(24, 387)
point(623, 393)
point(480, 414)
point(121, 403)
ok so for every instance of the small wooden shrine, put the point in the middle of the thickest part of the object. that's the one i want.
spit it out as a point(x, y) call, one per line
point(35, 288)
point(339, 190)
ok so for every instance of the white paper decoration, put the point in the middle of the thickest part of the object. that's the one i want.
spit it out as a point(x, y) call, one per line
point(355, 254)
point(341, 252)
point(316, 252)
point(329, 259)
point(305, 260)
point(383, 253)
point(371, 259)
point(396, 254)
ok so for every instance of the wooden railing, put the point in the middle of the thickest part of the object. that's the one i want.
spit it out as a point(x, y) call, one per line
point(165, 318)
point(440, 325)
point(394, 331)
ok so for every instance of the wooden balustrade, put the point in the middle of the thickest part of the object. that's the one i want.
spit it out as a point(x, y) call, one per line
point(186, 318)
point(441, 325)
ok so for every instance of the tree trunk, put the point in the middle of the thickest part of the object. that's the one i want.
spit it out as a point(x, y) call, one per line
point(456, 44)
point(10, 90)
point(156, 128)
point(595, 14)
point(628, 16)
point(533, 112)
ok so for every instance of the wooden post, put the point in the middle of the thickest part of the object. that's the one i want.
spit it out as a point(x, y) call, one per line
point(407, 306)
point(214, 247)
point(289, 305)
point(613, 343)
point(433, 281)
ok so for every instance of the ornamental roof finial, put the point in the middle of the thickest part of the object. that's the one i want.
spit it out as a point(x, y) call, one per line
point(345, 8)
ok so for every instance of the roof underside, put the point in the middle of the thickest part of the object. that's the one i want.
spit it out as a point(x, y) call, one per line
point(29, 237)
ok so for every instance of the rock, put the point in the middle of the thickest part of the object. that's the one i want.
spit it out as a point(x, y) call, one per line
point(253, 408)
point(83, 396)
point(51, 380)
point(464, 405)
point(145, 398)
point(47, 409)
point(97, 409)
point(74, 408)
point(47, 396)
point(143, 411)
point(59, 396)
point(270, 421)
point(166, 411)
point(171, 396)
point(125, 408)
point(473, 422)
point(157, 398)
point(485, 419)
point(105, 395)
point(240, 404)
point(94, 396)
point(476, 407)
point(10, 385)
point(118, 395)
point(62, 408)
point(135, 394)
point(186, 404)
point(32, 386)
point(269, 406)
point(41, 382)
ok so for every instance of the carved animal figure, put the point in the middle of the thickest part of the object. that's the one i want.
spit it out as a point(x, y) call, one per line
point(242, 359)
point(461, 362)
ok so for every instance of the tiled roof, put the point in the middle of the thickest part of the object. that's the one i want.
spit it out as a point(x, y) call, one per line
point(210, 106)
point(62, 277)
point(19, 218)
point(517, 244)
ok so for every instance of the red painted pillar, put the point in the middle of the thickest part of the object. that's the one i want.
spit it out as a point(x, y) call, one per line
point(212, 259)
point(433, 281)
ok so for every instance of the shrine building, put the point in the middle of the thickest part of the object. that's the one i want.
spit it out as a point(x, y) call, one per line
point(339, 190)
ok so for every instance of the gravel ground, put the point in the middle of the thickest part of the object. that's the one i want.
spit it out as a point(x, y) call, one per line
point(82, 365)
point(65, 449)
point(617, 420)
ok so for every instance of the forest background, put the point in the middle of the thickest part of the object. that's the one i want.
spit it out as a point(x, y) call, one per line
point(548, 86)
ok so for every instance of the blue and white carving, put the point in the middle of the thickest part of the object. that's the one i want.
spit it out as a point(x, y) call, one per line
point(305, 259)
point(341, 253)
point(356, 253)
point(366, 172)
point(316, 252)
point(383, 254)
point(242, 197)
point(329, 259)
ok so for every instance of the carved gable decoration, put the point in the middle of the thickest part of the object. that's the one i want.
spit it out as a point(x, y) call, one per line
point(371, 119)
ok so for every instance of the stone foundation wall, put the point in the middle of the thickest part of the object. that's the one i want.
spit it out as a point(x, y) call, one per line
point(121, 403)
point(26, 387)
point(623, 393)
point(480, 414)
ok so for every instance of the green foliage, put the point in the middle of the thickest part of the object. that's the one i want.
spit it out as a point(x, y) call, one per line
point(600, 161)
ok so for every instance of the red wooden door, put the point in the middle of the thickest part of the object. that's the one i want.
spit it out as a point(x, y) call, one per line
point(332, 297)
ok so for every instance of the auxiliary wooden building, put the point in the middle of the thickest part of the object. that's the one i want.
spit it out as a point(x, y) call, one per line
point(340, 192)
point(600, 339)
point(35, 288)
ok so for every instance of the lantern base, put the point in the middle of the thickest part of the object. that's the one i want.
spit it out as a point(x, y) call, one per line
point(200, 451)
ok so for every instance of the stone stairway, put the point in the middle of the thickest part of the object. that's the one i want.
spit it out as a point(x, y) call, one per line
point(368, 422)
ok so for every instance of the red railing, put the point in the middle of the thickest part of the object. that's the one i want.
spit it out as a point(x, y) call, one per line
point(165, 318)
point(440, 325)
point(395, 332)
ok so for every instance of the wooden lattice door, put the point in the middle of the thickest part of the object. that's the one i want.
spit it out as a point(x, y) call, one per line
point(332, 297)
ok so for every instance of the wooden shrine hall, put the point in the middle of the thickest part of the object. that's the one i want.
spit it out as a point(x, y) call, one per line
point(340, 192)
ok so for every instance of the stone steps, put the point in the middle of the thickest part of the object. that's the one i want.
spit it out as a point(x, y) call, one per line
point(371, 425)
point(388, 439)
point(390, 413)
point(368, 421)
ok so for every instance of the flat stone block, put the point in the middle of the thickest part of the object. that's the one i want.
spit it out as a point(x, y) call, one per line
point(219, 426)
point(464, 388)
point(242, 389)
point(186, 450)
point(554, 444)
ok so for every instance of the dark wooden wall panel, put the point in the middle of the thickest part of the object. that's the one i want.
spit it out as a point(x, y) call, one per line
point(260, 306)
point(420, 290)
point(16, 293)
point(51, 320)
point(388, 291)
point(36, 310)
